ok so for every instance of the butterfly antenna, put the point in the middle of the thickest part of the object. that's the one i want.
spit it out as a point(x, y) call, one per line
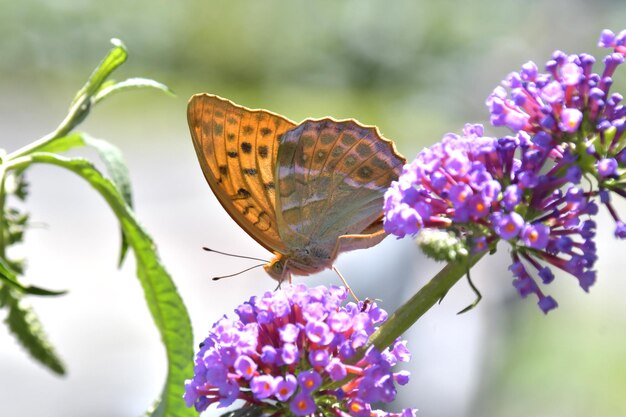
point(345, 283)
point(233, 255)
point(236, 273)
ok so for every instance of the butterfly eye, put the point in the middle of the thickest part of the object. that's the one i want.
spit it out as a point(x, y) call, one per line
point(276, 268)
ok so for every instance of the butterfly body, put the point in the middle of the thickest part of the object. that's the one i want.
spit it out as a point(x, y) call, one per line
point(306, 191)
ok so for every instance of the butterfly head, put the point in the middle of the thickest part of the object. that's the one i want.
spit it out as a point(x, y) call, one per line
point(277, 267)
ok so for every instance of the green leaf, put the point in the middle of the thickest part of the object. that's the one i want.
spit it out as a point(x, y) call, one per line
point(111, 88)
point(109, 153)
point(63, 144)
point(9, 277)
point(117, 169)
point(24, 324)
point(115, 165)
point(166, 306)
point(113, 161)
point(116, 57)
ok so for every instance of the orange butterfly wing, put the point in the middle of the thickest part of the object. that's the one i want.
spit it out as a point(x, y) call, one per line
point(237, 149)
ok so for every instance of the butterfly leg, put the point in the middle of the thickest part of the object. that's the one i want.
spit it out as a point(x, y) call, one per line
point(280, 283)
point(346, 284)
point(371, 236)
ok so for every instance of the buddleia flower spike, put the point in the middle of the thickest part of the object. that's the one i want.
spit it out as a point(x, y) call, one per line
point(287, 347)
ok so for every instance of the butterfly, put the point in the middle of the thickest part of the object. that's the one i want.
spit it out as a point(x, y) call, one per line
point(306, 191)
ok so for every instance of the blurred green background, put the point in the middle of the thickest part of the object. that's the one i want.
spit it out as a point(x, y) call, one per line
point(416, 69)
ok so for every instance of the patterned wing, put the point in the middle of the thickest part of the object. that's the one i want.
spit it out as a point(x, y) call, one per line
point(332, 176)
point(237, 149)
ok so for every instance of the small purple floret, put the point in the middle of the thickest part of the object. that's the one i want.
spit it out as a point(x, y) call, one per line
point(302, 405)
point(607, 167)
point(509, 225)
point(536, 236)
point(263, 386)
point(309, 380)
point(285, 387)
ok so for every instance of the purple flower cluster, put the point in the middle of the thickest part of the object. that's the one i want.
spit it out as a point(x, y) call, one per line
point(569, 107)
point(286, 349)
point(525, 189)
point(492, 189)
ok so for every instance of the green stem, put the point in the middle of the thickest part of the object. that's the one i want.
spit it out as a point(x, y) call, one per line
point(405, 316)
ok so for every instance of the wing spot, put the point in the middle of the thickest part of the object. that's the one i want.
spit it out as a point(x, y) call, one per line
point(206, 128)
point(380, 163)
point(350, 160)
point(269, 186)
point(231, 121)
point(243, 193)
point(223, 169)
point(246, 209)
point(230, 136)
point(337, 152)
point(363, 150)
point(320, 156)
point(348, 140)
point(365, 172)
point(246, 147)
point(247, 129)
point(263, 151)
point(219, 128)
point(232, 154)
point(249, 171)
point(287, 148)
point(327, 139)
point(307, 141)
point(265, 131)
point(219, 113)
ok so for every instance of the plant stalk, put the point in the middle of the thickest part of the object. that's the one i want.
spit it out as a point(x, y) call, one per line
point(405, 316)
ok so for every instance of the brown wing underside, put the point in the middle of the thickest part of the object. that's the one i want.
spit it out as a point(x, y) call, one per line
point(237, 149)
point(332, 177)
